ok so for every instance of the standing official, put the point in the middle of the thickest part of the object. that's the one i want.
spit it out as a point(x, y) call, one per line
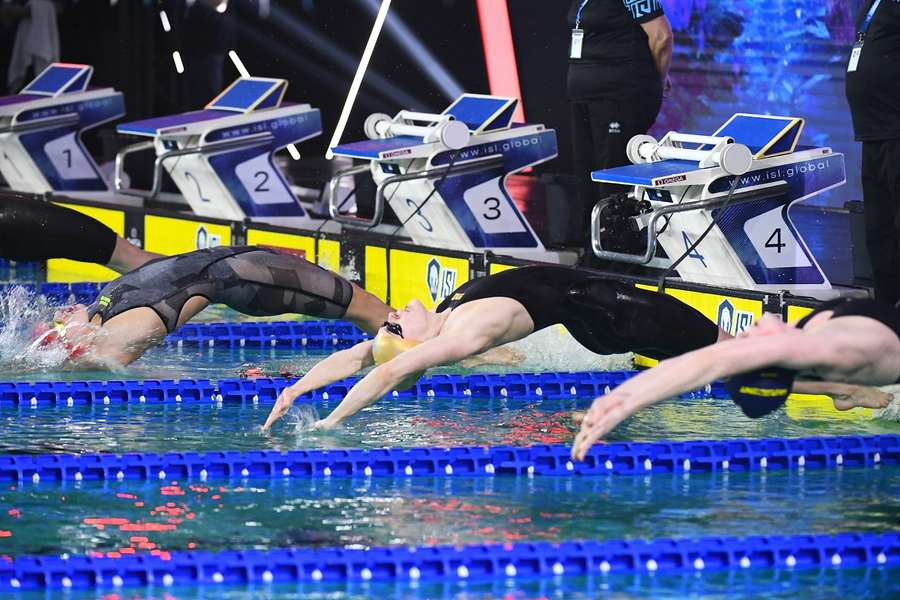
point(873, 90)
point(618, 72)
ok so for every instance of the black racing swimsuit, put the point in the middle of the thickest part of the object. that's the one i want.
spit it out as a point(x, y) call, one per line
point(251, 280)
point(887, 315)
point(605, 316)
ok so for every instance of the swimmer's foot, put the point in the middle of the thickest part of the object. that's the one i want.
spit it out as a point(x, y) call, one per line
point(862, 397)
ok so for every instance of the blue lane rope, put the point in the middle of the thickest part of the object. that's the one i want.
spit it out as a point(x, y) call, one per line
point(455, 563)
point(512, 386)
point(625, 458)
point(310, 335)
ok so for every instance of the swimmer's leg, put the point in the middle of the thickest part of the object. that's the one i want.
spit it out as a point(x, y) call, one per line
point(267, 283)
point(32, 229)
point(649, 323)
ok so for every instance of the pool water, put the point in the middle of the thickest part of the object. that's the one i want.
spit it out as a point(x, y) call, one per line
point(825, 584)
point(120, 518)
point(260, 513)
point(389, 423)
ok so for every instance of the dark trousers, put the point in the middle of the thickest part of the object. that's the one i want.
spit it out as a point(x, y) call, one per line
point(600, 132)
point(881, 203)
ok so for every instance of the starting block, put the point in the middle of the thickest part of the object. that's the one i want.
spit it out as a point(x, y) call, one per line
point(444, 176)
point(40, 132)
point(221, 157)
point(680, 186)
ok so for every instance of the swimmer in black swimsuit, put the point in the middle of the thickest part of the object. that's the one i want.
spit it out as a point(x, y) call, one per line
point(137, 310)
point(34, 230)
point(843, 341)
point(604, 315)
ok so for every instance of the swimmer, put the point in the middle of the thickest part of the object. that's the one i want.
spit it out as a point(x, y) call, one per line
point(844, 341)
point(136, 311)
point(604, 315)
point(32, 229)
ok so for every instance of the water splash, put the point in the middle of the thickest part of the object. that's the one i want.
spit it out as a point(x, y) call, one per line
point(892, 411)
point(20, 312)
point(302, 418)
point(554, 349)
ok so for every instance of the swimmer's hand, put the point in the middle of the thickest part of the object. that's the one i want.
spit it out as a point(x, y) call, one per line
point(282, 405)
point(323, 424)
point(605, 413)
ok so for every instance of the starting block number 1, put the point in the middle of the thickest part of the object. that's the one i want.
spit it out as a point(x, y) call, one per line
point(68, 158)
point(492, 209)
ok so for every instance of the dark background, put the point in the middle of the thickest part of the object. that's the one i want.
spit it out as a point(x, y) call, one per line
point(772, 56)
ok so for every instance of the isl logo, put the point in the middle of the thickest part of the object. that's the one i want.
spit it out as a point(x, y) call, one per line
point(441, 281)
point(207, 240)
point(731, 320)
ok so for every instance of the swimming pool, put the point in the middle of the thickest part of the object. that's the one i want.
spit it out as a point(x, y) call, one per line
point(181, 517)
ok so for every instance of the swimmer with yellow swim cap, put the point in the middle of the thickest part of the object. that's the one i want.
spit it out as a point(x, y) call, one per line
point(605, 315)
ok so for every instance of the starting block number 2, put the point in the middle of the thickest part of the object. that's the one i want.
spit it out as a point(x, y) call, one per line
point(492, 208)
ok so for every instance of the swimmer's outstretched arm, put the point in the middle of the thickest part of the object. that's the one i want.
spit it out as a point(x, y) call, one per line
point(384, 378)
point(334, 368)
point(791, 349)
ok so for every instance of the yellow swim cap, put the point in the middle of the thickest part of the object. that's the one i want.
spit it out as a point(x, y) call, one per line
point(387, 347)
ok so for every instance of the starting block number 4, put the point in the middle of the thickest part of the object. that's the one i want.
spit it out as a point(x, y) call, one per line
point(68, 158)
point(261, 181)
point(774, 241)
point(492, 208)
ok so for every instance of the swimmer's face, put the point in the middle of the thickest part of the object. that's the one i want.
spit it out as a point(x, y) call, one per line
point(69, 327)
point(413, 321)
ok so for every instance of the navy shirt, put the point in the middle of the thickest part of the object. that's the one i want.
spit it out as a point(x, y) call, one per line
point(616, 61)
point(873, 90)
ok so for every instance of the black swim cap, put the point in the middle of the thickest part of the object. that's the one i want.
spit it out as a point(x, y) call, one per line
point(761, 392)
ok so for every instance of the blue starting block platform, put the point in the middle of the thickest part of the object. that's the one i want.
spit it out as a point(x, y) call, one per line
point(40, 132)
point(748, 238)
point(459, 160)
point(220, 157)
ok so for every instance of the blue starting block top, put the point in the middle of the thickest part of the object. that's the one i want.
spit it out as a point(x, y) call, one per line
point(764, 135)
point(483, 113)
point(479, 113)
point(395, 147)
point(59, 79)
point(170, 123)
point(645, 173)
point(245, 95)
point(250, 93)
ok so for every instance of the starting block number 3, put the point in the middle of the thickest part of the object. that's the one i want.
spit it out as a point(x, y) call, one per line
point(492, 208)
point(774, 241)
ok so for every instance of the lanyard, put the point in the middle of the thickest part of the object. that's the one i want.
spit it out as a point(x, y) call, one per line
point(865, 26)
point(585, 3)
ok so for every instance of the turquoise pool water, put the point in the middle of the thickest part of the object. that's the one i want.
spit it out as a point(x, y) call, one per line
point(390, 423)
point(263, 514)
point(124, 517)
